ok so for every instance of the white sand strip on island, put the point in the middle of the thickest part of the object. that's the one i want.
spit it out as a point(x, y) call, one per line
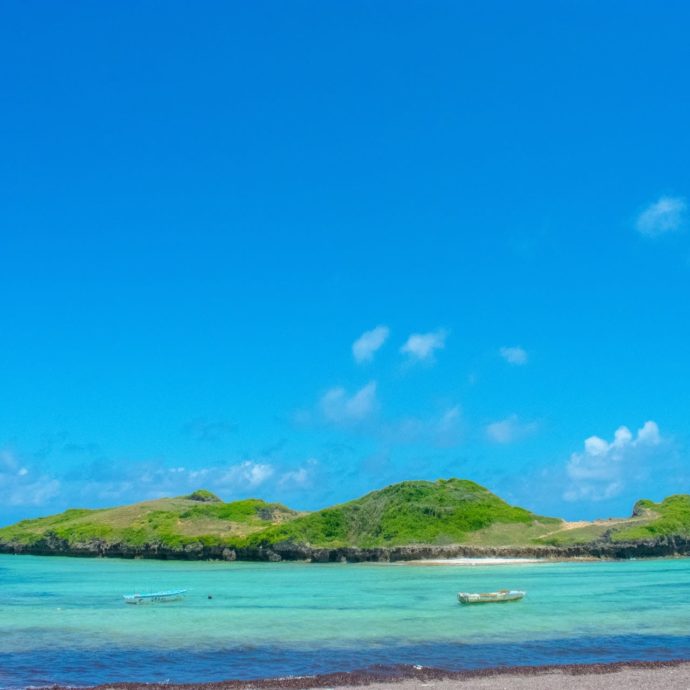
point(473, 561)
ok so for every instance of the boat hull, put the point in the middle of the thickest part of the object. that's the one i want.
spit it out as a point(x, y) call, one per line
point(155, 597)
point(502, 596)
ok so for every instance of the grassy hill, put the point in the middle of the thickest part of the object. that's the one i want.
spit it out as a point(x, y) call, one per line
point(649, 521)
point(201, 516)
point(671, 517)
point(436, 514)
point(448, 511)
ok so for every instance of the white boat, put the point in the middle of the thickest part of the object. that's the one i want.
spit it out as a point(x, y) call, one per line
point(155, 597)
point(487, 597)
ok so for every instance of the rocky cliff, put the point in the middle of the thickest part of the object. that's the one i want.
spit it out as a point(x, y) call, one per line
point(51, 545)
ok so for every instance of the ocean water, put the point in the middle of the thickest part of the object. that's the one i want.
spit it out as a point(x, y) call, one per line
point(63, 620)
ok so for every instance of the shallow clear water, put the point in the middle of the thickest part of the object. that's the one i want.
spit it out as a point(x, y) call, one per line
point(63, 620)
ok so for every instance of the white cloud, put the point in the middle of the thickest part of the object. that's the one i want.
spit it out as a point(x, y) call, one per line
point(665, 215)
point(510, 429)
point(248, 474)
point(602, 469)
point(442, 431)
point(514, 355)
point(110, 483)
point(448, 429)
point(156, 481)
point(8, 462)
point(20, 487)
point(30, 493)
point(336, 406)
point(300, 477)
point(421, 346)
point(365, 347)
point(449, 418)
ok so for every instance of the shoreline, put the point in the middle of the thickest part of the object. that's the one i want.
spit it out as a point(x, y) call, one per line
point(286, 551)
point(431, 561)
point(642, 674)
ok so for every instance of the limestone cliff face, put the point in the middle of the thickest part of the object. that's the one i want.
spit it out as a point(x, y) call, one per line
point(286, 551)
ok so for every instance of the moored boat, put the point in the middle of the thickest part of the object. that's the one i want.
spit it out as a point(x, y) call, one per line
point(155, 597)
point(488, 597)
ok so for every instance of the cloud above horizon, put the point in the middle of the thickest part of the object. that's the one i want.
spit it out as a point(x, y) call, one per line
point(248, 473)
point(516, 356)
point(366, 346)
point(101, 485)
point(300, 477)
point(510, 430)
point(340, 408)
point(422, 346)
point(602, 469)
point(442, 430)
point(24, 486)
point(667, 214)
point(448, 430)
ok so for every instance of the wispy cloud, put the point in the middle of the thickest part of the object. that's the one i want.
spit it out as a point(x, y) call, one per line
point(665, 215)
point(248, 474)
point(510, 430)
point(203, 429)
point(21, 485)
point(444, 430)
point(8, 462)
point(340, 408)
point(366, 346)
point(514, 355)
point(27, 487)
point(299, 478)
point(603, 468)
point(422, 346)
point(154, 480)
point(448, 429)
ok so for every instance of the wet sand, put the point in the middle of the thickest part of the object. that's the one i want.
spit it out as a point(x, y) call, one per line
point(654, 675)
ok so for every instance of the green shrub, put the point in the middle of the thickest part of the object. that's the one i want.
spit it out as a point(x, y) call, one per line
point(203, 496)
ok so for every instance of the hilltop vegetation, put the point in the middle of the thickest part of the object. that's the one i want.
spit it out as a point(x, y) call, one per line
point(447, 511)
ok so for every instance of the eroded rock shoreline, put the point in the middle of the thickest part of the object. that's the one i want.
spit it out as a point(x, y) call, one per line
point(287, 551)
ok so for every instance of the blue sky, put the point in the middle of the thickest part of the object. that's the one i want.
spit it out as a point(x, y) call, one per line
point(303, 250)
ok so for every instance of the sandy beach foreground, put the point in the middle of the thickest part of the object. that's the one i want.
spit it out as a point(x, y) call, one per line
point(666, 675)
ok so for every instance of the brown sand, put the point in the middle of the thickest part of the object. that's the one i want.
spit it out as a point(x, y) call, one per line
point(659, 675)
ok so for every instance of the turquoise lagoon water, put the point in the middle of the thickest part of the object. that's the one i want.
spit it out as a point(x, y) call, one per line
point(62, 620)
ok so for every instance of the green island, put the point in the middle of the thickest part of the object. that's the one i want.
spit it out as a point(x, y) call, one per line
point(405, 521)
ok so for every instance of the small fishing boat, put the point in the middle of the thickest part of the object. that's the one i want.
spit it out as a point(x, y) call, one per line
point(155, 597)
point(487, 597)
